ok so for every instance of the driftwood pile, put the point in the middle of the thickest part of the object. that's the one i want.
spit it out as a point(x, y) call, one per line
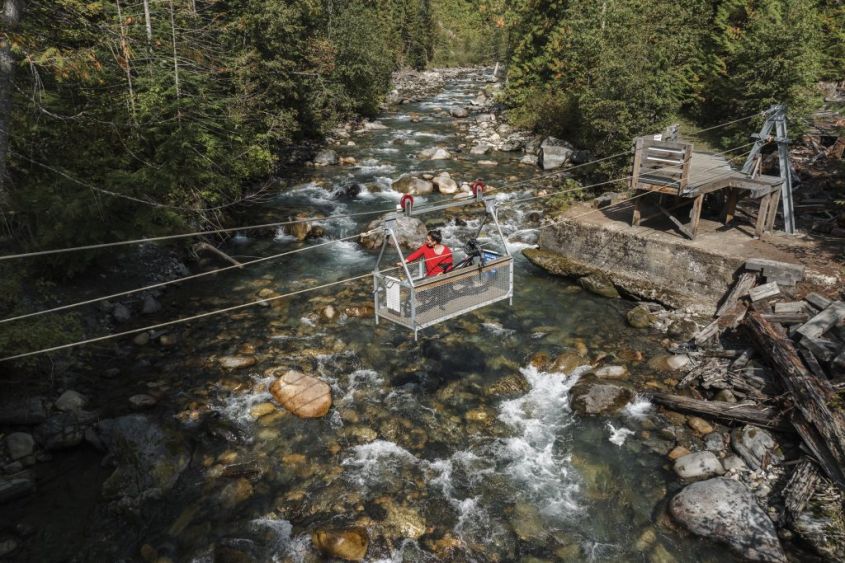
point(802, 344)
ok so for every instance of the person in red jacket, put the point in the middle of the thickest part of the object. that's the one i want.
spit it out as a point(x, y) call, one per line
point(438, 256)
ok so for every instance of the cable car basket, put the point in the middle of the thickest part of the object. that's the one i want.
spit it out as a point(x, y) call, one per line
point(416, 301)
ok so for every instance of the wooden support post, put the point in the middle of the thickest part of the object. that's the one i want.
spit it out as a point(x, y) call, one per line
point(773, 210)
point(730, 206)
point(635, 220)
point(638, 158)
point(695, 215)
point(762, 213)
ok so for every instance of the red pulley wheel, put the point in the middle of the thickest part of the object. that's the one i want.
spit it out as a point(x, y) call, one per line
point(407, 200)
point(477, 186)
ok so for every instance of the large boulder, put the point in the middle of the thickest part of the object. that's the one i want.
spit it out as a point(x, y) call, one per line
point(445, 184)
point(349, 544)
point(459, 112)
point(325, 157)
point(756, 446)
point(71, 401)
point(698, 465)
point(303, 395)
point(20, 445)
point(408, 184)
point(588, 397)
point(554, 153)
point(410, 232)
point(724, 510)
point(150, 457)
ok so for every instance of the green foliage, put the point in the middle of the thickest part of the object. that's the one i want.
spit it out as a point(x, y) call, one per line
point(469, 32)
point(189, 118)
point(602, 73)
point(763, 53)
point(17, 297)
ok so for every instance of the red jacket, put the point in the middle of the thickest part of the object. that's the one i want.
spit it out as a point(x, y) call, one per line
point(434, 263)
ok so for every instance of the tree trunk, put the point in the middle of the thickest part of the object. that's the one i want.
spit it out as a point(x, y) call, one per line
point(9, 18)
point(148, 23)
point(175, 60)
point(816, 414)
point(124, 47)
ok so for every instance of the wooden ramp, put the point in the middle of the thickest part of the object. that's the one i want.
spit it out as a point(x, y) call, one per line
point(674, 169)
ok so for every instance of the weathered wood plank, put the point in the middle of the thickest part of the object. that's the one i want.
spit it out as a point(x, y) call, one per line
point(763, 291)
point(748, 413)
point(821, 348)
point(744, 283)
point(824, 321)
point(818, 301)
point(787, 318)
point(784, 273)
point(790, 307)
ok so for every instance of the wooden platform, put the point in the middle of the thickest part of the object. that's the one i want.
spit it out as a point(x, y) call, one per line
point(673, 169)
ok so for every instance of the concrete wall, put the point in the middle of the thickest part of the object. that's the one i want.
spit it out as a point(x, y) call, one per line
point(673, 273)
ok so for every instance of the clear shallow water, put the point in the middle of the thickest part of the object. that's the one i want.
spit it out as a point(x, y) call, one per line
point(450, 448)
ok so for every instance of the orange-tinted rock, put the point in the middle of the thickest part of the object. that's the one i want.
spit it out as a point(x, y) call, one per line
point(303, 395)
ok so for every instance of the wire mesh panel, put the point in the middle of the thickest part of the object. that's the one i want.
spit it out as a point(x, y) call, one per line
point(436, 299)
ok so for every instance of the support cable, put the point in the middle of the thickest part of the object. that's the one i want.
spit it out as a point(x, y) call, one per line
point(178, 280)
point(275, 224)
point(253, 303)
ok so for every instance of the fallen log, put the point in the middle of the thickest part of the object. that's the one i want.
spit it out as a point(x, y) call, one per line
point(822, 428)
point(734, 412)
point(214, 250)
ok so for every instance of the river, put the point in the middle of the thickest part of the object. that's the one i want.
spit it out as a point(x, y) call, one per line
point(453, 447)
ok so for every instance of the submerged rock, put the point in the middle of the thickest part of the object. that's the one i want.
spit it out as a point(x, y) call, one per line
point(150, 457)
point(640, 317)
point(724, 510)
point(611, 372)
point(458, 112)
point(303, 395)
point(600, 285)
point(349, 544)
point(236, 362)
point(598, 398)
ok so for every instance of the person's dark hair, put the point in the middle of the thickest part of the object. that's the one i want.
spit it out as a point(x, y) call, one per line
point(435, 236)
